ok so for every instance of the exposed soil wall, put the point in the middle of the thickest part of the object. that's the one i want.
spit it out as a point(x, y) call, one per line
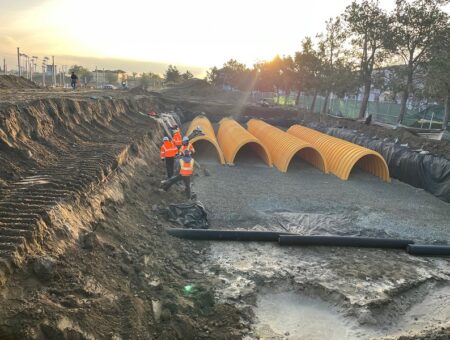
point(83, 251)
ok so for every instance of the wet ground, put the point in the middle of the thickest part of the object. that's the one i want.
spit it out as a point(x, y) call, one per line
point(356, 293)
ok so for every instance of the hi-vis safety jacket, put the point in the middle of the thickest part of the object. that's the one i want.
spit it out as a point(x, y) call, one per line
point(188, 147)
point(177, 138)
point(168, 149)
point(186, 168)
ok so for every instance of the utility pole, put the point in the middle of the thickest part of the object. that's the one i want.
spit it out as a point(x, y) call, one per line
point(96, 77)
point(18, 59)
point(4, 66)
point(26, 64)
point(33, 66)
point(44, 69)
point(53, 72)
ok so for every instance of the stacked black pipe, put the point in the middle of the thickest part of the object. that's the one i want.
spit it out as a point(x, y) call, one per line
point(289, 239)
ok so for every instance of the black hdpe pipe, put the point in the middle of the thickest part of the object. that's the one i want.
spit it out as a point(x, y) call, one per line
point(432, 250)
point(226, 235)
point(343, 241)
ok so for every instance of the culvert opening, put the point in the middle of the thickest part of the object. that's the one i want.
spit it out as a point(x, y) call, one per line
point(370, 164)
point(306, 158)
point(205, 151)
point(251, 153)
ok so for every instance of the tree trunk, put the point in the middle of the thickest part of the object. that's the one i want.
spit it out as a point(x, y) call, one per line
point(365, 100)
point(325, 103)
point(405, 96)
point(447, 112)
point(313, 104)
point(297, 99)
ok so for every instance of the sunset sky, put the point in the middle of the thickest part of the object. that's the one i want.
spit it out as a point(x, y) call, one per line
point(200, 33)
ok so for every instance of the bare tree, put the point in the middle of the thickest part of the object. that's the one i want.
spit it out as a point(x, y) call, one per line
point(368, 27)
point(417, 26)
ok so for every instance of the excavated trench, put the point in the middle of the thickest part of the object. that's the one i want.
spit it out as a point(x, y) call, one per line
point(83, 248)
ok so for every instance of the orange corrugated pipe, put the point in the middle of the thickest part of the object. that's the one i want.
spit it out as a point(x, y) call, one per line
point(232, 137)
point(343, 156)
point(283, 147)
point(209, 135)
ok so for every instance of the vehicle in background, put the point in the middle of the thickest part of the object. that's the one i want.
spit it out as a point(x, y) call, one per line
point(109, 87)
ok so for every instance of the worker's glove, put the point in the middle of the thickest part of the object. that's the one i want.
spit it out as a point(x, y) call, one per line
point(162, 159)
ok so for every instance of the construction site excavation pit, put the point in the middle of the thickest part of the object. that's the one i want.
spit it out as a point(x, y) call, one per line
point(355, 293)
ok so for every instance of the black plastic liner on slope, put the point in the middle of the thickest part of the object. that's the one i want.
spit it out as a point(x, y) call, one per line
point(429, 172)
point(226, 235)
point(433, 250)
point(343, 241)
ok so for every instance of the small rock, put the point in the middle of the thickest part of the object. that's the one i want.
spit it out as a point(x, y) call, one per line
point(90, 241)
point(287, 333)
point(366, 318)
point(124, 269)
point(155, 207)
point(206, 172)
point(70, 301)
point(156, 306)
point(44, 267)
point(166, 314)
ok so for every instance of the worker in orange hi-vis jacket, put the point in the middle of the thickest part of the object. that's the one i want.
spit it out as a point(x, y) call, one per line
point(185, 174)
point(186, 171)
point(186, 145)
point(177, 137)
point(168, 154)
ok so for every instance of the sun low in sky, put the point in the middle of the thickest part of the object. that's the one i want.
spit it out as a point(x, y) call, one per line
point(197, 32)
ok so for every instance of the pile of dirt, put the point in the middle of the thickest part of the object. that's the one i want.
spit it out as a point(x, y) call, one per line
point(13, 82)
point(198, 89)
point(138, 91)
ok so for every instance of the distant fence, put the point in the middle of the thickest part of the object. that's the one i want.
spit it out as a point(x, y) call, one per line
point(382, 112)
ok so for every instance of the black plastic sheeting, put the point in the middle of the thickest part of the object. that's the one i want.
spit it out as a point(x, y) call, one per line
point(343, 241)
point(428, 172)
point(189, 215)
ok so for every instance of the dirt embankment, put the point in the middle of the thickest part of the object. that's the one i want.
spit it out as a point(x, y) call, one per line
point(83, 249)
point(13, 82)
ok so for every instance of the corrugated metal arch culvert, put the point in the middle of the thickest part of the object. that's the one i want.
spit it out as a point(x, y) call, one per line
point(209, 135)
point(283, 147)
point(232, 137)
point(343, 156)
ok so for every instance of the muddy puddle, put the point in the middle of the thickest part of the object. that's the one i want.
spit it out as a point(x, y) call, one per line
point(292, 316)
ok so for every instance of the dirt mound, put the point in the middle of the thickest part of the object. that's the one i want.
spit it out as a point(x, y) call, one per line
point(198, 88)
point(13, 82)
point(138, 91)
